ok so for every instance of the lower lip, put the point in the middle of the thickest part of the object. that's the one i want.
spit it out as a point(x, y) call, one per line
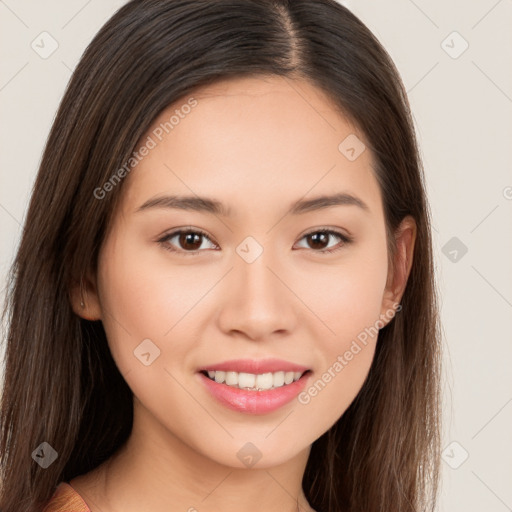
point(254, 402)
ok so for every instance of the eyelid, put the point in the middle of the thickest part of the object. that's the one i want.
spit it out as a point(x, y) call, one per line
point(329, 229)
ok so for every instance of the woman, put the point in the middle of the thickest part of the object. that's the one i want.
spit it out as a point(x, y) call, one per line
point(224, 296)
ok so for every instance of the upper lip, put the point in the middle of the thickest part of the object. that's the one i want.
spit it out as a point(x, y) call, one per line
point(255, 366)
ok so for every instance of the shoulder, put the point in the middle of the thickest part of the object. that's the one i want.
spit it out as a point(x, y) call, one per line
point(66, 499)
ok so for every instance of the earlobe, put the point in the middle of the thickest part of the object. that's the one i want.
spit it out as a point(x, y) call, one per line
point(84, 299)
point(400, 268)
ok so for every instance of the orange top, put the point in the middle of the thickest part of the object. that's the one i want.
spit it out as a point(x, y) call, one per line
point(66, 499)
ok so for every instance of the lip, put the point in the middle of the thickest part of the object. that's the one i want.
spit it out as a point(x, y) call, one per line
point(255, 366)
point(254, 402)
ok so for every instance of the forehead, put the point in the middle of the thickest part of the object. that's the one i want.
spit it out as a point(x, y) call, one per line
point(253, 143)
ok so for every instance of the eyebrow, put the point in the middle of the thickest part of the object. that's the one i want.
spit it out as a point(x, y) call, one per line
point(208, 205)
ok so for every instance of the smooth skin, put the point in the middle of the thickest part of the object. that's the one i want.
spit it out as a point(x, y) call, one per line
point(257, 145)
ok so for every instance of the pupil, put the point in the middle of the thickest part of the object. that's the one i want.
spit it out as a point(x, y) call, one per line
point(316, 236)
point(187, 239)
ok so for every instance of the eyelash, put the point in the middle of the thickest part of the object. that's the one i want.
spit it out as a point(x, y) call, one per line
point(163, 241)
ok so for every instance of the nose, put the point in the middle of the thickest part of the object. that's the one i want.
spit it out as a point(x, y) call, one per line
point(257, 301)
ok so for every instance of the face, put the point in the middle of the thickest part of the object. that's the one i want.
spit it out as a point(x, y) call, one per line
point(268, 274)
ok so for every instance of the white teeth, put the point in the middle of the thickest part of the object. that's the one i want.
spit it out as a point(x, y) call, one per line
point(231, 379)
point(278, 379)
point(220, 377)
point(246, 380)
point(250, 381)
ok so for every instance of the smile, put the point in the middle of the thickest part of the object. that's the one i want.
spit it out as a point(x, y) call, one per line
point(260, 398)
point(253, 382)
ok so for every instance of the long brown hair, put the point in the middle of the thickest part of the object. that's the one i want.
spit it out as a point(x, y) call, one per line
point(383, 453)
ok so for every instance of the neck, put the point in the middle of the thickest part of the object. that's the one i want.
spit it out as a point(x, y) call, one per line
point(154, 470)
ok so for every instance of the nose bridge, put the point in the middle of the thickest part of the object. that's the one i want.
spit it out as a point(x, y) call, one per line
point(257, 302)
point(257, 278)
point(253, 270)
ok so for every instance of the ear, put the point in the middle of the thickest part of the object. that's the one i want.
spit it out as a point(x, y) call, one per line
point(84, 298)
point(399, 268)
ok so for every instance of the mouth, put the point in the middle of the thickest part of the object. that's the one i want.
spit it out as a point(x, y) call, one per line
point(254, 393)
point(254, 382)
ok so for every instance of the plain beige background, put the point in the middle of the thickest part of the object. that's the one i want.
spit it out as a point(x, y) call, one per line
point(454, 58)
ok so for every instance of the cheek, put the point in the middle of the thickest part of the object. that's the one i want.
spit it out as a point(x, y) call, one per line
point(129, 290)
point(143, 297)
point(346, 297)
point(332, 389)
point(141, 293)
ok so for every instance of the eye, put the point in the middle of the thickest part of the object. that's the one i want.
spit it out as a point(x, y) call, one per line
point(188, 239)
point(320, 237)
